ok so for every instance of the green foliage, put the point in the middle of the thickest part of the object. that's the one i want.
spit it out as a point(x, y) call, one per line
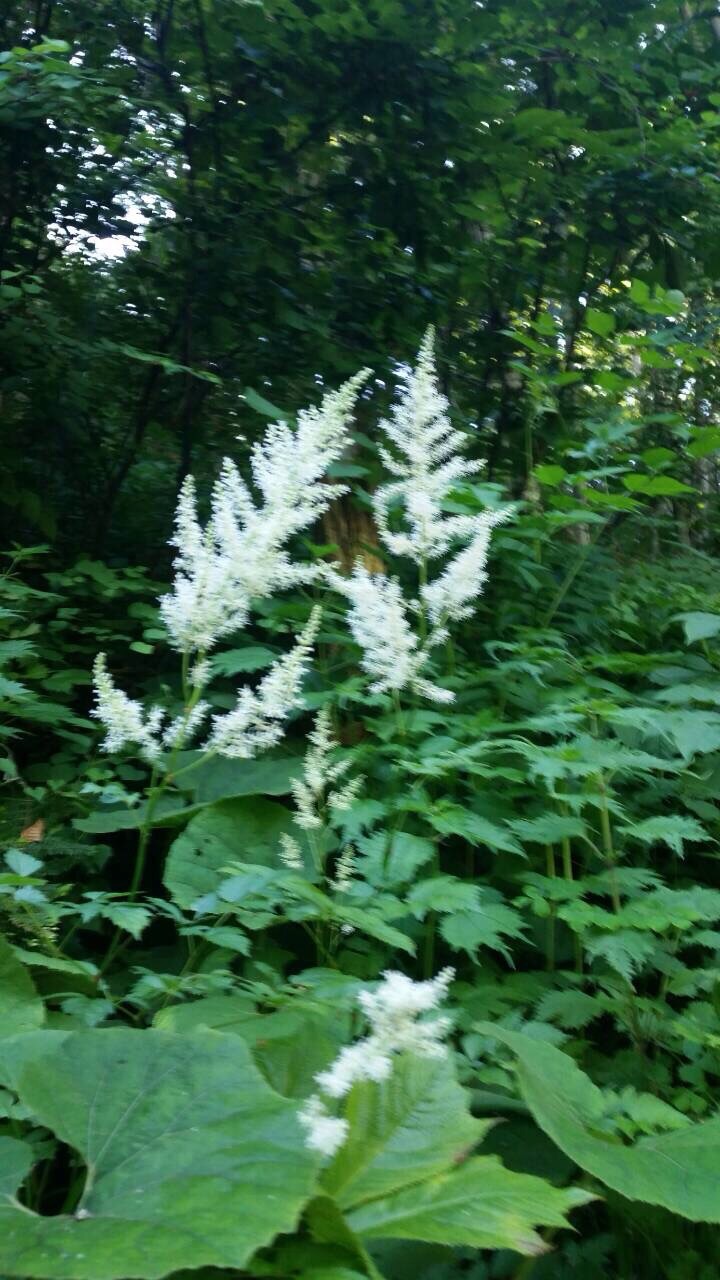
point(168, 1128)
point(675, 1170)
point(20, 1007)
point(202, 210)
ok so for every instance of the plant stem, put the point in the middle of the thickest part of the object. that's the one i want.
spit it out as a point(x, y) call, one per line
point(550, 935)
point(155, 792)
point(398, 714)
point(568, 874)
point(429, 930)
point(571, 575)
point(608, 843)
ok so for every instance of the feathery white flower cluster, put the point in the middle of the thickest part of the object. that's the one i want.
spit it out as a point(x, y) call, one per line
point(378, 619)
point(241, 553)
point(427, 463)
point(125, 720)
point(344, 869)
point(393, 1011)
point(424, 457)
point(290, 852)
point(254, 724)
point(320, 774)
point(325, 1133)
point(449, 597)
point(184, 727)
point(257, 720)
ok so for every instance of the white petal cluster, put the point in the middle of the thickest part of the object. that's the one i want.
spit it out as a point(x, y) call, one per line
point(449, 597)
point(257, 720)
point(325, 1133)
point(319, 773)
point(393, 1011)
point(290, 852)
point(426, 460)
point(343, 800)
point(344, 870)
point(242, 553)
point(379, 622)
point(126, 721)
point(184, 727)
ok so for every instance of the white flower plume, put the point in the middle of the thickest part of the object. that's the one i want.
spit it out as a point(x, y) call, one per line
point(126, 721)
point(319, 773)
point(426, 460)
point(449, 597)
point(378, 617)
point(258, 719)
point(325, 1133)
point(242, 553)
point(394, 1011)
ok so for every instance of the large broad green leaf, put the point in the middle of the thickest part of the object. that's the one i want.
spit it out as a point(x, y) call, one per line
point(21, 1008)
point(403, 1171)
point(53, 975)
point(191, 1158)
point(169, 810)
point(16, 1159)
point(204, 784)
point(219, 778)
point(699, 626)
point(678, 1170)
point(409, 1127)
point(227, 1013)
point(288, 1045)
point(234, 831)
point(481, 1204)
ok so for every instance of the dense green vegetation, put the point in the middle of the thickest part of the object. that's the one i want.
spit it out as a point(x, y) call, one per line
point(213, 212)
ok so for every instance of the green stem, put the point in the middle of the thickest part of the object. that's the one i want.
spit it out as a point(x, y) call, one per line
point(571, 575)
point(155, 792)
point(568, 874)
point(550, 935)
point(398, 714)
point(429, 930)
point(608, 844)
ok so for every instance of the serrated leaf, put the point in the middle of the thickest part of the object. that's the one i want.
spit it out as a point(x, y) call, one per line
point(224, 779)
point(488, 925)
point(23, 864)
point(551, 474)
point(670, 829)
point(393, 858)
point(548, 828)
point(372, 924)
point(571, 1010)
point(454, 821)
point(625, 951)
point(656, 486)
point(442, 894)
point(264, 406)
point(481, 1205)
point(705, 440)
